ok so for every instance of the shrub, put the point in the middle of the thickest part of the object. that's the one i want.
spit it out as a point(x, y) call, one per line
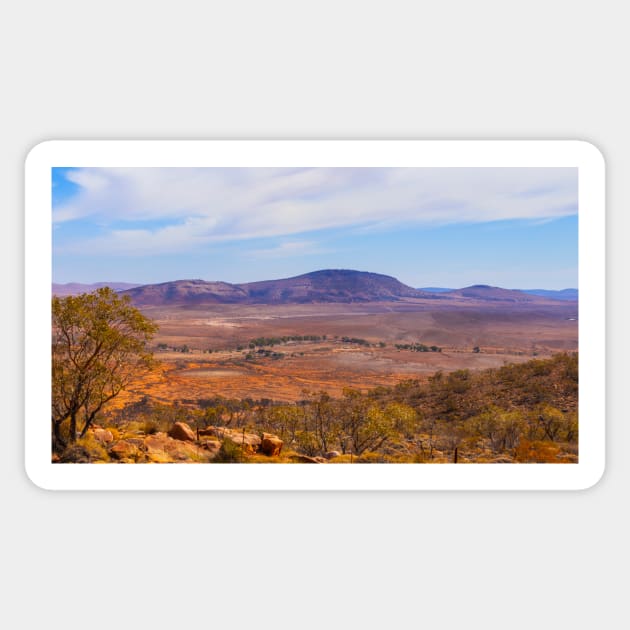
point(370, 457)
point(85, 451)
point(536, 452)
point(150, 427)
point(229, 453)
point(307, 443)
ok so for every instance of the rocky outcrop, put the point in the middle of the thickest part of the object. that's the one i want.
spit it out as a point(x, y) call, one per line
point(161, 448)
point(103, 435)
point(213, 446)
point(166, 448)
point(270, 445)
point(181, 431)
point(249, 442)
point(305, 459)
point(123, 450)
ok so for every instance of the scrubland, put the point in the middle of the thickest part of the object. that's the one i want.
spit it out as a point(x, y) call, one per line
point(518, 413)
point(349, 383)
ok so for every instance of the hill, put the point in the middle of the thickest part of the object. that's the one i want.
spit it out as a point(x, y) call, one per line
point(564, 294)
point(187, 292)
point(323, 286)
point(435, 289)
point(495, 294)
point(332, 285)
point(328, 285)
point(74, 288)
point(516, 413)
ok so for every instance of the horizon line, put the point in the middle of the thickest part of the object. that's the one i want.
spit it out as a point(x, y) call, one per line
point(425, 287)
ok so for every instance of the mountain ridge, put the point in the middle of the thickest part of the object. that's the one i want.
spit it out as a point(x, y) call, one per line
point(321, 286)
point(569, 294)
point(74, 288)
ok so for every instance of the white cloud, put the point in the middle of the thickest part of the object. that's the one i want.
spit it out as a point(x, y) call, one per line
point(288, 249)
point(200, 206)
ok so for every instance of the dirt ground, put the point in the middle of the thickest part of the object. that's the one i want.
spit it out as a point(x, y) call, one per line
point(503, 333)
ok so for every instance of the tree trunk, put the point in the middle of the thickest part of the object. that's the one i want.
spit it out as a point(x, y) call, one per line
point(73, 428)
point(58, 443)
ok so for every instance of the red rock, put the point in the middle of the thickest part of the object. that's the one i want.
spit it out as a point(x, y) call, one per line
point(162, 448)
point(103, 435)
point(271, 445)
point(305, 459)
point(249, 442)
point(181, 431)
point(124, 450)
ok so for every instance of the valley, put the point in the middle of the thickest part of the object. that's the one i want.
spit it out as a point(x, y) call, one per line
point(342, 365)
point(204, 351)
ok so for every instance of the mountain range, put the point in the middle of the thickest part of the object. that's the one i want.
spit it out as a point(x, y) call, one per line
point(323, 286)
point(568, 295)
point(74, 288)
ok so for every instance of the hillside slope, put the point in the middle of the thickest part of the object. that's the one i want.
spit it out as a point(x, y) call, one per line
point(332, 285)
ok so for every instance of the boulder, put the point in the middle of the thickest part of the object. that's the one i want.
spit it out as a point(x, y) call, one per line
point(249, 442)
point(270, 445)
point(181, 431)
point(162, 448)
point(103, 435)
point(305, 459)
point(332, 454)
point(139, 442)
point(124, 450)
point(211, 445)
point(156, 442)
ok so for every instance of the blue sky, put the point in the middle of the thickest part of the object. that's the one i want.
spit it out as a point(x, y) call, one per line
point(453, 227)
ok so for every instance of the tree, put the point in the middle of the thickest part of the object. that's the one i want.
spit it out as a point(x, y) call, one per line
point(99, 345)
point(403, 417)
point(366, 424)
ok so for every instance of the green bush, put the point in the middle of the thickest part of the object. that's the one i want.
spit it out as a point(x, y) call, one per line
point(84, 451)
point(229, 453)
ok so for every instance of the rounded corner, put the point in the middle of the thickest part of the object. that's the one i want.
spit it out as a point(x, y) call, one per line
point(32, 476)
point(40, 148)
point(593, 152)
point(594, 479)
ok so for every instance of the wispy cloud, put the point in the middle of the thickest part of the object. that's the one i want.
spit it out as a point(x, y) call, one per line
point(289, 249)
point(196, 207)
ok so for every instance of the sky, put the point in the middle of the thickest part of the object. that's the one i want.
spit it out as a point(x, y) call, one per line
point(428, 227)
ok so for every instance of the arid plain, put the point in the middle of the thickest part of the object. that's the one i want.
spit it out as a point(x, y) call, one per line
point(204, 351)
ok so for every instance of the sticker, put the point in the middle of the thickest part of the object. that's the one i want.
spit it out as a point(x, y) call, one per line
point(315, 315)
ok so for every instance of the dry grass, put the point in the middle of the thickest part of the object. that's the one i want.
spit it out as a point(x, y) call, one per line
point(504, 335)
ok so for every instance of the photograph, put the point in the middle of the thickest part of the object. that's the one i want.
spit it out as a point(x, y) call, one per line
point(331, 315)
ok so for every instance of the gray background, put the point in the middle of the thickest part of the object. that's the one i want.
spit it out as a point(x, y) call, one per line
point(199, 70)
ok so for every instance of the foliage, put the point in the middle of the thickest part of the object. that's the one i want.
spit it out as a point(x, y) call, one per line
point(536, 452)
point(524, 412)
point(229, 453)
point(417, 347)
point(84, 450)
point(99, 345)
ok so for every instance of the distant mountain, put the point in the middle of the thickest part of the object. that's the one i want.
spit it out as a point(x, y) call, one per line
point(74, 288)
point(332, 285)
point(327, 285)
point(563, 294)
point(435, 289)
point(187, 292)
point(494, 294)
